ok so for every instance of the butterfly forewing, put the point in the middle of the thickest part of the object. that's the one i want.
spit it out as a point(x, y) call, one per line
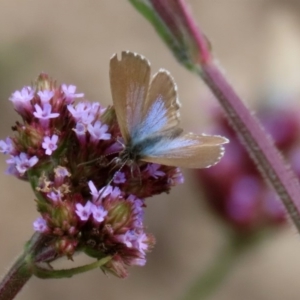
point(129, 81)
point(161, 108)
point(187, 151)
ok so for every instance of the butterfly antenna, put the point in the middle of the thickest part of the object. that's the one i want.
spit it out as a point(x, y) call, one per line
point(89, 162)
point(139, 174)
point(98, 158)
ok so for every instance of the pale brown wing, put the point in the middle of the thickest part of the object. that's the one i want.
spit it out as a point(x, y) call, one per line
point(162, 103)
point(129, 82)
point(187, 151)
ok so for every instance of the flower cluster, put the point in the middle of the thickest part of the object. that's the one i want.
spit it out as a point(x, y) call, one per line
point(235, 189)
point(67, 150)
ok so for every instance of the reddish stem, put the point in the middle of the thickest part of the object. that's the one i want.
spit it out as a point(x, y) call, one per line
point(259, 145)
point(15, 279)
point(199, 37)
point(21, 271)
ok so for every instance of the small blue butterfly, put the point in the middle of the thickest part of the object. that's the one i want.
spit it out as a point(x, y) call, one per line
point(148, 117)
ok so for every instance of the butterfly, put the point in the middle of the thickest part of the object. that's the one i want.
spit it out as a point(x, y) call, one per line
point(147, 112)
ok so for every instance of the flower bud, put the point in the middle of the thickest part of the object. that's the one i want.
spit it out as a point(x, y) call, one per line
point(243, 200)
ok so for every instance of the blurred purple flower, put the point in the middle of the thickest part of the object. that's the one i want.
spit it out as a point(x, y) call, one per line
point(235, 189)
point(6, 147)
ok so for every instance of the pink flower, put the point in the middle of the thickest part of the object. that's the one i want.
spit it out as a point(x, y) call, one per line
point(93, 190)
point(6, 147)
point(119, 177)
point(45, 95)
point(141, 242)
point(50, 144)
point(153, 170)
point(127, 238)
point(98, 131)
point(40, 225)
point(22, 162)
point(99, 213)
point(79, 110)
point(98, 195)
point(70, 94)
point(44, 114)
point(84, 211)
point(22, 99)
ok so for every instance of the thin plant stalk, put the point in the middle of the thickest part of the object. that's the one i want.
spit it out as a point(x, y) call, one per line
point(207, 282)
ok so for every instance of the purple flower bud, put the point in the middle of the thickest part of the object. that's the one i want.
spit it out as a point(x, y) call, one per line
point(60, 174)
point(80, 131)
point(55, 196)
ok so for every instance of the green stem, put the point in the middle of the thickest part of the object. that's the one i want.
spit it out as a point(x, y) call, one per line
point(208, 282)
point(67, 273)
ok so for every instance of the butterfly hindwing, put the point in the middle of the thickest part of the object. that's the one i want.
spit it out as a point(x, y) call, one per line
point(187, 151)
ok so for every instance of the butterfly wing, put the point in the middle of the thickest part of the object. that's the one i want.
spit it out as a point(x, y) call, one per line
point(149, 116)
point(141, 110)
point(161, 108)
point(187, 151)
point(129, 82)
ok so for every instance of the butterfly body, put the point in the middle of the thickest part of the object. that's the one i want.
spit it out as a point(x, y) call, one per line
point(137, 150)
point(148, 116)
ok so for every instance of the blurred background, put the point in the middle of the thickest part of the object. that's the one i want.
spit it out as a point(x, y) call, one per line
point(257, 43)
